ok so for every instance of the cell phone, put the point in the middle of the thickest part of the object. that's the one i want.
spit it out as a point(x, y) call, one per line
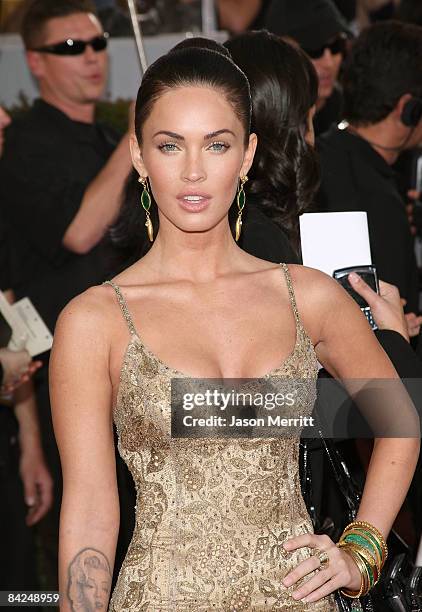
point(369, 275)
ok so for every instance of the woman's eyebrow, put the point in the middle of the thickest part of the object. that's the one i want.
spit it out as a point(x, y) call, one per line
point(217, 133)
point(206, 137)
point(171, 134)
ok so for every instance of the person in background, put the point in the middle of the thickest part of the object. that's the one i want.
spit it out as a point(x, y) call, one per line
point(236, 16)
point(26, 485)
point(320, 30)
point(113, 18)
point(61, 178)
point(410, 11)
point(59, 249)
point(15, 366)
point(382, 85)
point(370, 11)
point(25, 481)
point(393, 334)
point(285, 172)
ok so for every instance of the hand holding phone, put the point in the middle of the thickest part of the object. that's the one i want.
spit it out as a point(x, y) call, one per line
point(386, 308)
point(369, 275)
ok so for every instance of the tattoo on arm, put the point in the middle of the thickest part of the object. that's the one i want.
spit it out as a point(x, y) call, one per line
point(89, 581)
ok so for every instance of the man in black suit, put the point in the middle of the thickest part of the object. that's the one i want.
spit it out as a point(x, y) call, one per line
point(382, 86)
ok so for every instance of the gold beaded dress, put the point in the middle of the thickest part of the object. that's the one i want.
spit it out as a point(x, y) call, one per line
point(211, 514)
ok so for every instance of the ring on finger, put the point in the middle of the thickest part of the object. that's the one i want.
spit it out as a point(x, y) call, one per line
point(324, 559)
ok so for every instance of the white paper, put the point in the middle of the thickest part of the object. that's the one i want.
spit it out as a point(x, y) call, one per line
point(335, 240)
point(19, 333)
point(39, 336)
point(28, 329)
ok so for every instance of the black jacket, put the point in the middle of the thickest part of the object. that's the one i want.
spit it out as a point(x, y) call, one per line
point(263, 238)
point(48, 162)
point(356, 178)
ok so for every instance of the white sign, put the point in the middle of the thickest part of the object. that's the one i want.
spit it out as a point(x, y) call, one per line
point(28, 329)
point(333, 240)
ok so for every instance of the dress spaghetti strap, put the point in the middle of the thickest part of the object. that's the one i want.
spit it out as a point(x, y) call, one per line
point(124, 307)
point(291, 294)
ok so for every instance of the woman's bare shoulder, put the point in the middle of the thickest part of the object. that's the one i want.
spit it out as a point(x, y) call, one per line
point(92, 310)
point(314, 283)
point(319, 297)
point(300, 272)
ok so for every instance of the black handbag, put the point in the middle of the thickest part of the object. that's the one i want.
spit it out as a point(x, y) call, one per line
point(400, 585)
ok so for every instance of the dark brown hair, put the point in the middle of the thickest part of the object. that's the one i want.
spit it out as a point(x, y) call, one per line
point(202, 43)
point(284, 86)
point(383, 65)
point(40, 11)
point(194, 66)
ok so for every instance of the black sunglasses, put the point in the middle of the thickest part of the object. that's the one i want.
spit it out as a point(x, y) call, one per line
point(336, 46)
point(75, 47)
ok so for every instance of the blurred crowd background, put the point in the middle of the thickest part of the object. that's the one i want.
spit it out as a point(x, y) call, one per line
point(159, 16)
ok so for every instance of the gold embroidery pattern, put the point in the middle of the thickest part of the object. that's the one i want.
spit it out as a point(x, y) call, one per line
point(211, 515)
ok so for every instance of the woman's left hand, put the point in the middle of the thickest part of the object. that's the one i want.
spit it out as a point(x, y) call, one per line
point(341, 571)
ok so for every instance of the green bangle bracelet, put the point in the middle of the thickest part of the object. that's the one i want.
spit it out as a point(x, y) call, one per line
point(368, 545)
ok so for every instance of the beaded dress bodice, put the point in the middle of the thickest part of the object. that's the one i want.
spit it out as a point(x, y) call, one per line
point(211, 514)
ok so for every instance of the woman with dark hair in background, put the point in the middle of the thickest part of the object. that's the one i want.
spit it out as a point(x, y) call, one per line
point(284, 87)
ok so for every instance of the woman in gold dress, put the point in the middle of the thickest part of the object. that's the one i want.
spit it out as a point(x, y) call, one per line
point(220, 523)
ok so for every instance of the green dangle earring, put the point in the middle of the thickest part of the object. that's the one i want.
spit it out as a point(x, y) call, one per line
point(241, 201)
point(146, 205)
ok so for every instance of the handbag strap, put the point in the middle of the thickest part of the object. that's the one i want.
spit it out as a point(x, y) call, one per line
point(347, 486)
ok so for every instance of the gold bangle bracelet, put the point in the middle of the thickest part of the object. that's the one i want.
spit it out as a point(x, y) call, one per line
point(367, 559)
point(371, 528)
point(365, 554)
point(375, 544)
point(379, 560)
point(364, 584)
point(371, 536)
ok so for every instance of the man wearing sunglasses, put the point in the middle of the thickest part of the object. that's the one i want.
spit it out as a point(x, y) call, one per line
point(62, 173)
point(61, 179)
point(319, 28)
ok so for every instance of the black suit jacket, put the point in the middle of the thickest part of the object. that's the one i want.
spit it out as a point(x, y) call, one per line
point(355, 177)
